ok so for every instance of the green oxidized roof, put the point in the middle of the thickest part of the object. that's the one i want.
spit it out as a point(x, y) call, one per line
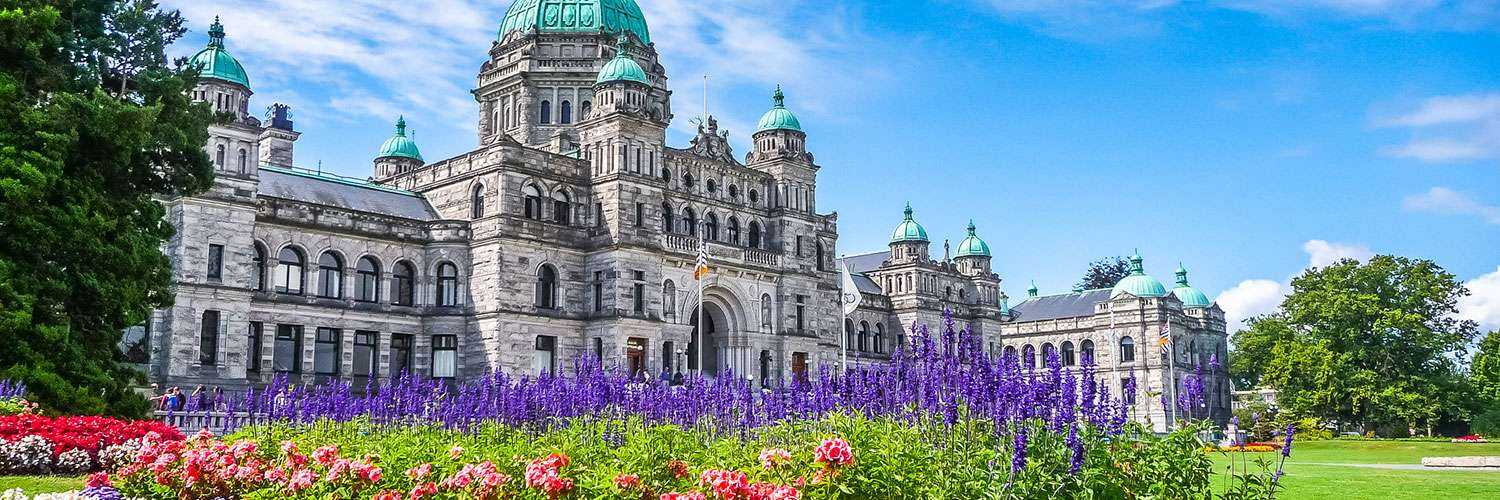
point(778, 118)
point(576, 16)
point(215, 62)
point(1190, 297)
point(972, 246)
point(909, 229)
point(399, 144)
point(622, 67)
point(1138, 283)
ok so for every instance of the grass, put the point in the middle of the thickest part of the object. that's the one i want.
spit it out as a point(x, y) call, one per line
point(1311, 472)
point(41, 484)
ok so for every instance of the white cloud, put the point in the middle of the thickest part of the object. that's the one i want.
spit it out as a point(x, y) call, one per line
point(1250, 298)
point(1446, 201)
point(1483, 303)
point(1449, 129)
point(1322, 253)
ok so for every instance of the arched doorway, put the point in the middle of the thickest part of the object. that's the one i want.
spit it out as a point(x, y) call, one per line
point(721, 325)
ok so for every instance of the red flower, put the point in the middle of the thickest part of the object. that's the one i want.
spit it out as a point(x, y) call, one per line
point(82, 433)
point(834, 452)
point(692, 495)
point(627, 481)
point(678, 468)
point(389, 495)
point(98, 480)
point(725, 483)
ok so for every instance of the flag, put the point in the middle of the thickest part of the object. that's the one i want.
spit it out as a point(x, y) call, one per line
point(1165, 337)
point(849, 296)
point(701, 270)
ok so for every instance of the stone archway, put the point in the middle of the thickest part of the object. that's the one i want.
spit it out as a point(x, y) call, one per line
point(724, 323)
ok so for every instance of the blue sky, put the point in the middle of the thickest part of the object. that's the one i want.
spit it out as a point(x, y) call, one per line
point(1247, 139)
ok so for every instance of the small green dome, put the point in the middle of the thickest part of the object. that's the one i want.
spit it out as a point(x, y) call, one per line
point(1189, 296)
point(215, 62)
point(909, 229)
point(400, 145)
point(622, 68)
point(972, 246)
point(576, 16)
point(1138, 283)
point(778, 118)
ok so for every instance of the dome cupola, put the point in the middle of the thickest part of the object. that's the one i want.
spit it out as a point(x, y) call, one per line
point(576, 16)
point(1190, 297)
point(972, 246)
point(622, 68)
point(1138, 283)
point(214, 62)
point(909, 229)
point(399, 145)
point(778, 118)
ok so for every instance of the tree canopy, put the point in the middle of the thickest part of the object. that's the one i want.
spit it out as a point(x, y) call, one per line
point(98, 126)
point(1373, 344)
point(1104, 273)
point(1484, 372)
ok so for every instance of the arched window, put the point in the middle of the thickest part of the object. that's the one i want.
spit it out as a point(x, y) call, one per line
point(1086, 352)
point(447, 284)
point(712, 186)
point(546, 287)
point(1010, 352)
point(666, 218)
point(561, 209)
point(404, 285)
point(689, 222)
point(734, 230)
point(330, 276)
point(546, 112)
point(1048, 351)
point(765, 311)
point(849, 334)
point(687, 179)
point(289, 271)
point(754, 197)
point(219, 157)
point(477, 202)
point(1028, 357)
point(880, 337)
point(711, 227)
point(734, 192)
point(669, 299)
point(533, 200)
point(666, 174)
point(566, 113)
point(864, 336)
point(244, 162)
point(258, 272)
point(1127, 350)
point(585, 109)
point(1068, 358)
point(367, 289)
point(754, 235)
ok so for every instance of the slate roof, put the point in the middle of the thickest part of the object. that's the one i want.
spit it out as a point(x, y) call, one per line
point(1067, 305)
point(342, 192)
point(859, 264)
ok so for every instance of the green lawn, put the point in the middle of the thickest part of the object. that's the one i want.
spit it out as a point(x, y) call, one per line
point(41, 484)
point(1308, 475)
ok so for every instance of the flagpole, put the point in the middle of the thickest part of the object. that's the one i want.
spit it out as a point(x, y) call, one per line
point(1171, 379)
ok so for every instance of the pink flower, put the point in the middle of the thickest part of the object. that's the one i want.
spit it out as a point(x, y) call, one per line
point(423, 490)
point(389, 495)
point(326, 455)
point(275, 476)
point(288, 448)
point(301, 480)
point(419, 472)
point(834, 452)
point(98, 480)
point(455, 452)
point(724, 483)
point(772, 458)
point(627, 481)
point(691, 495)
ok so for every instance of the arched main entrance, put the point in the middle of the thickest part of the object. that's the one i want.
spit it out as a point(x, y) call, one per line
point(714, 335)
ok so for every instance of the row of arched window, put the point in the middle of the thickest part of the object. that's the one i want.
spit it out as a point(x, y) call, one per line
point(290, 268)
point(241, 160)
point(863, 340)
point(564, 111)
point(712, 187)
point(688, 224)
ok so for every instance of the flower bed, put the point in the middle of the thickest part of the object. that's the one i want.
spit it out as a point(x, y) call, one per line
point(33, 444)
point(1472, 438)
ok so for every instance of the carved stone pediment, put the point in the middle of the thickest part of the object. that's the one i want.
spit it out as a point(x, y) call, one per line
point(711, 142)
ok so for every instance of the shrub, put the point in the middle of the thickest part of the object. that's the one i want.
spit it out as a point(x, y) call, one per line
point(1487, 423)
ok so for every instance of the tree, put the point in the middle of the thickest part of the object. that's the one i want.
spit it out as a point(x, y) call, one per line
point(1369, 344)
point(1484, 372)
point(97, 127)
point(1104, 273)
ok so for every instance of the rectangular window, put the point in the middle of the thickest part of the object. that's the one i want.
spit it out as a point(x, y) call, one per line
point(598, 291)
point(801, 310)
point(364, 358)
point(216, 262)
point(208, 345)
point(444, 356)
point(288, 355)
point(326, 353)
point(1125, 395)
point(640, 298)
point(544, 359)
point(599, 215)
point(400, 354)
point(640, 214)
point(253, 363)
point(667, 353)
point(599, 348)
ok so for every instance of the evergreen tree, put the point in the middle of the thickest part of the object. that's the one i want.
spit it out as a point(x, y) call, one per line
point(1104, 273)
point(97, 127)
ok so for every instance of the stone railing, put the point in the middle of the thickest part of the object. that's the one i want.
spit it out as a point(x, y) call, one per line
point(217, 422)
point(719, 252)
point(762, 257)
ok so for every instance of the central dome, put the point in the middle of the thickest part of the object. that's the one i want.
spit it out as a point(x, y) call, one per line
point(576, 16)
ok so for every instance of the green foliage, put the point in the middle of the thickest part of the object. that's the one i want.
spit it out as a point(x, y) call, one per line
point(1104, 273)
point(1368, 344)
point(1487, 423)
point(1484, 372)
point(97, 125)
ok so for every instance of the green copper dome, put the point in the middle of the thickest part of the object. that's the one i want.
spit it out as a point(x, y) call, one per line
point(779, 118)
point(576, 16)
point(622, 68)
point(1189, 296)
point(908, 230)
point(972, 246)
point(399, 144)
point(1138, 283)
point(215, 62)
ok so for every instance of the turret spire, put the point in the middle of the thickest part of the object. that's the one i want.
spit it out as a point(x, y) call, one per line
point(1181, 275)
point(401, 126)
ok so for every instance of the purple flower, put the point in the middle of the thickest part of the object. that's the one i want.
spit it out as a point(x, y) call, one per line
point(1286, 446)
point(1075, 445)
point(1018, 458)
